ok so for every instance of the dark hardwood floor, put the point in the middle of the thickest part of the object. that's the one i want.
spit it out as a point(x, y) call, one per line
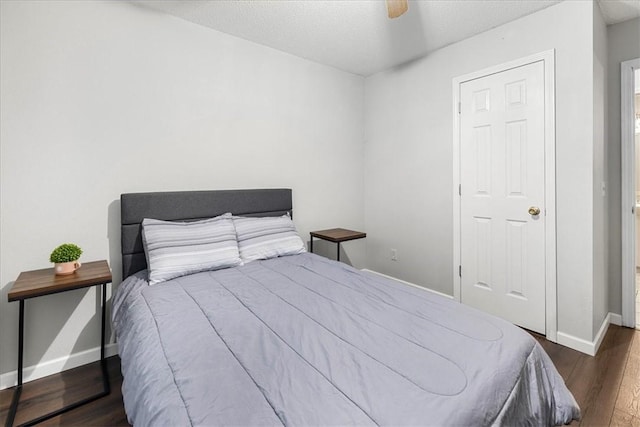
point(607, 386)
point(55, 391)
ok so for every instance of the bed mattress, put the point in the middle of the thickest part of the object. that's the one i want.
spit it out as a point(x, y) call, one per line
point(302, 340)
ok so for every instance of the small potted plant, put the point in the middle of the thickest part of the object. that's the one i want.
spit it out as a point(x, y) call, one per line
point(66, 258)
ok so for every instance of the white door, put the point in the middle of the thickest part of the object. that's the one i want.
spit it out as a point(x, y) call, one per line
point(502, 176)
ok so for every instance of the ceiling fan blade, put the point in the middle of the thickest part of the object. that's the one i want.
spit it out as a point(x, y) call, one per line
point(396, 8)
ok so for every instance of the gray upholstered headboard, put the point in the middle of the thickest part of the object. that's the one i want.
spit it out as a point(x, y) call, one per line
point(189, 206)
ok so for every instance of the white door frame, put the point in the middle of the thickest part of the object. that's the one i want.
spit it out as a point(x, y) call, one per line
point(627, 196)
point(548, 59)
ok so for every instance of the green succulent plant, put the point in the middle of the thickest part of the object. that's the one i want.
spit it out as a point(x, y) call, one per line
point(66, 252)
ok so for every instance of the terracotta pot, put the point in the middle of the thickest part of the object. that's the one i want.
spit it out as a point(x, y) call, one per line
point(64, 268)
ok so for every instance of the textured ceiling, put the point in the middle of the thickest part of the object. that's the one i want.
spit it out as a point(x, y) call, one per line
point(615, 11)
point(356, 35)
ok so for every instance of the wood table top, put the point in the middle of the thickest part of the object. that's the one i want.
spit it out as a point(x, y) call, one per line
point(36, 283)
point(338, 234)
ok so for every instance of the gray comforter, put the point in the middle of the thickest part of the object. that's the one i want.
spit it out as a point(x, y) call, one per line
point(302, 340)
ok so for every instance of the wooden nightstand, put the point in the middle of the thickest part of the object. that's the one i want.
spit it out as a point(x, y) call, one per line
point(36, 283)
point(336, 235)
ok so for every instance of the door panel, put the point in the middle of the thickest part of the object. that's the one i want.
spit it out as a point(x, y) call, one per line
point(502, 176)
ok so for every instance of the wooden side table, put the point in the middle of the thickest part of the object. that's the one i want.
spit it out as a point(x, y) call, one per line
point(336, 235)
point(36, 283)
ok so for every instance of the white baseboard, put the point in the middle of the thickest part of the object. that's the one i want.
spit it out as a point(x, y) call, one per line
point(366, 270)
point(576, 343)
point(55, 366)
point(615, 319)
point(590, 347)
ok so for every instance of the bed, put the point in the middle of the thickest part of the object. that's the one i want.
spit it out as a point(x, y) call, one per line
point(303, 340)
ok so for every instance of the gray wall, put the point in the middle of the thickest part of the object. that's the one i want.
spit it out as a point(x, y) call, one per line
point(600, 198)
point(408, 155)
point(623, 43)
point(102, 98)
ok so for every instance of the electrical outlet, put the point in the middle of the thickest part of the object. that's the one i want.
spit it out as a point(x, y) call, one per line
point(394, 254)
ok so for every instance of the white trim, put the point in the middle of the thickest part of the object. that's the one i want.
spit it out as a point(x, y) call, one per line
point(55, 366)
point(576, 343)
point(589, 347)
point(456, 191)
point(615, 319)
point(604, 327)
point(366, 270)
point(550, 195)
point(548, 59)
point(627, 196)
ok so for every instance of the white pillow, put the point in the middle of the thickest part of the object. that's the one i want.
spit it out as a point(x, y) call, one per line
point(268, 237)
point(175, 249)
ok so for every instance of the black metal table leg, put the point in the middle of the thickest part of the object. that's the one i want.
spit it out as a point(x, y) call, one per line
point(338, 251)
point(103, 364)
point(16, 393)
point(311, 244)
point(103, 361)
point(20, 342)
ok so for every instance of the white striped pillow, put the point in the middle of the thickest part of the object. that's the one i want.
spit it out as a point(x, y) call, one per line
point(175, 249)
point(268, 237)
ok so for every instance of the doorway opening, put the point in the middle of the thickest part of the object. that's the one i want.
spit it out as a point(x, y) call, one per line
point(630, 194)
point(636, 125)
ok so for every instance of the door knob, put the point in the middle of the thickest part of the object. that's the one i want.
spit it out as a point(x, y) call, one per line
point(534, 210)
